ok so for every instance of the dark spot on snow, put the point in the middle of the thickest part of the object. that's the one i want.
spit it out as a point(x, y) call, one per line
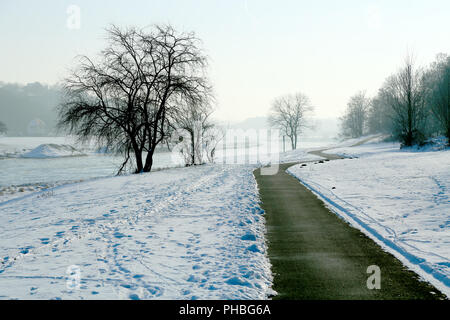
point(249, 237)
point(118, 235)
point(134, 297)
point(235, 281)
point(253, 248)
point(193, 278)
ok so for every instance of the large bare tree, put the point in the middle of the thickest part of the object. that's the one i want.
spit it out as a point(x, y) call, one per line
point(289, 113)
point(123, 100)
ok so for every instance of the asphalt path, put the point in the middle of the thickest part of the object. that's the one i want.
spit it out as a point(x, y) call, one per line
point(317, 255)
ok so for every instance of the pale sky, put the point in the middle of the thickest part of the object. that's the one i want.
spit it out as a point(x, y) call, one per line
point(258, 49)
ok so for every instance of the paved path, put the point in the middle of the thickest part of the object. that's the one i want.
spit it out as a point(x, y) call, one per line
point(316, 255)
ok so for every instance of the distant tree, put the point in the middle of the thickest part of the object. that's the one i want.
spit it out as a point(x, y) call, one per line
point(3, 128)
point(124, 100)
point(406, 97)
point(290, 113)
point(437, 80)
point(353, 122)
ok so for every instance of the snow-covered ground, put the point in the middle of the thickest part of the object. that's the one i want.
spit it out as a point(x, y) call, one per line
point(52, 150)
point(29, 164)
point(186, 233)
point(15, 146)
point(400, 198)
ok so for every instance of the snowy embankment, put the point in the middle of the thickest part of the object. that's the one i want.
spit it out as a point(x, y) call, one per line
point(399, 198)
point(298, 155)
point(184, 233)
point(52, 150)
point(302, 154)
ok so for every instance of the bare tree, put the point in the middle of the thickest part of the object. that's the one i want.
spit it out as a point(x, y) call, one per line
point(123, 101)
point(353, 122)
point(405, 92)
point(289, 114)
point(3, 128)
point(192, 122)
point(438, 92)
point(379, 118)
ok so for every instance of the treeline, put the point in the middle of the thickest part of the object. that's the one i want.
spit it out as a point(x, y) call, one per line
point(412, 105)
point(28, 110)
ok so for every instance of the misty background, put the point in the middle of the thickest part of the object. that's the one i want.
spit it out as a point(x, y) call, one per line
point(29, 111)
point(258, 50)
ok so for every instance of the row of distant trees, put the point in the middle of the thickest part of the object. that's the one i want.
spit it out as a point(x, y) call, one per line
point(22, 107)
point(146, 87)
point(412, 105)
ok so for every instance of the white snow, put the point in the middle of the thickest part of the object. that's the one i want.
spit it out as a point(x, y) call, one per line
point(302, 154)
point(187, 233)
point(298, 155)
point(41, 171)
point(15, 146)
point(52, 151)
point(401, 199)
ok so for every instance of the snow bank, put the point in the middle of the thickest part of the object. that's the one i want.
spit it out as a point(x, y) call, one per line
point(302, 154)
point(400, 199)
point(297, 155)
point(364, 149)
point(187, 233)
point(52, 151)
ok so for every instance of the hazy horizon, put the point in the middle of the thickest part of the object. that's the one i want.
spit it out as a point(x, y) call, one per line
point(258, 49)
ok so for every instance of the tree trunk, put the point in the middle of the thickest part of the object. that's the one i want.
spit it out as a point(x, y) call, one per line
point(148, 162)
point(138, 155)
point(295, 141)
point(192, 148)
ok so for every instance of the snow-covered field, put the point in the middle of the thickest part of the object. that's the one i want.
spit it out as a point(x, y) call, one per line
point(184, 233)
point(400, 198)
point(51, 150)
point(29, 164)
point(198, 232)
